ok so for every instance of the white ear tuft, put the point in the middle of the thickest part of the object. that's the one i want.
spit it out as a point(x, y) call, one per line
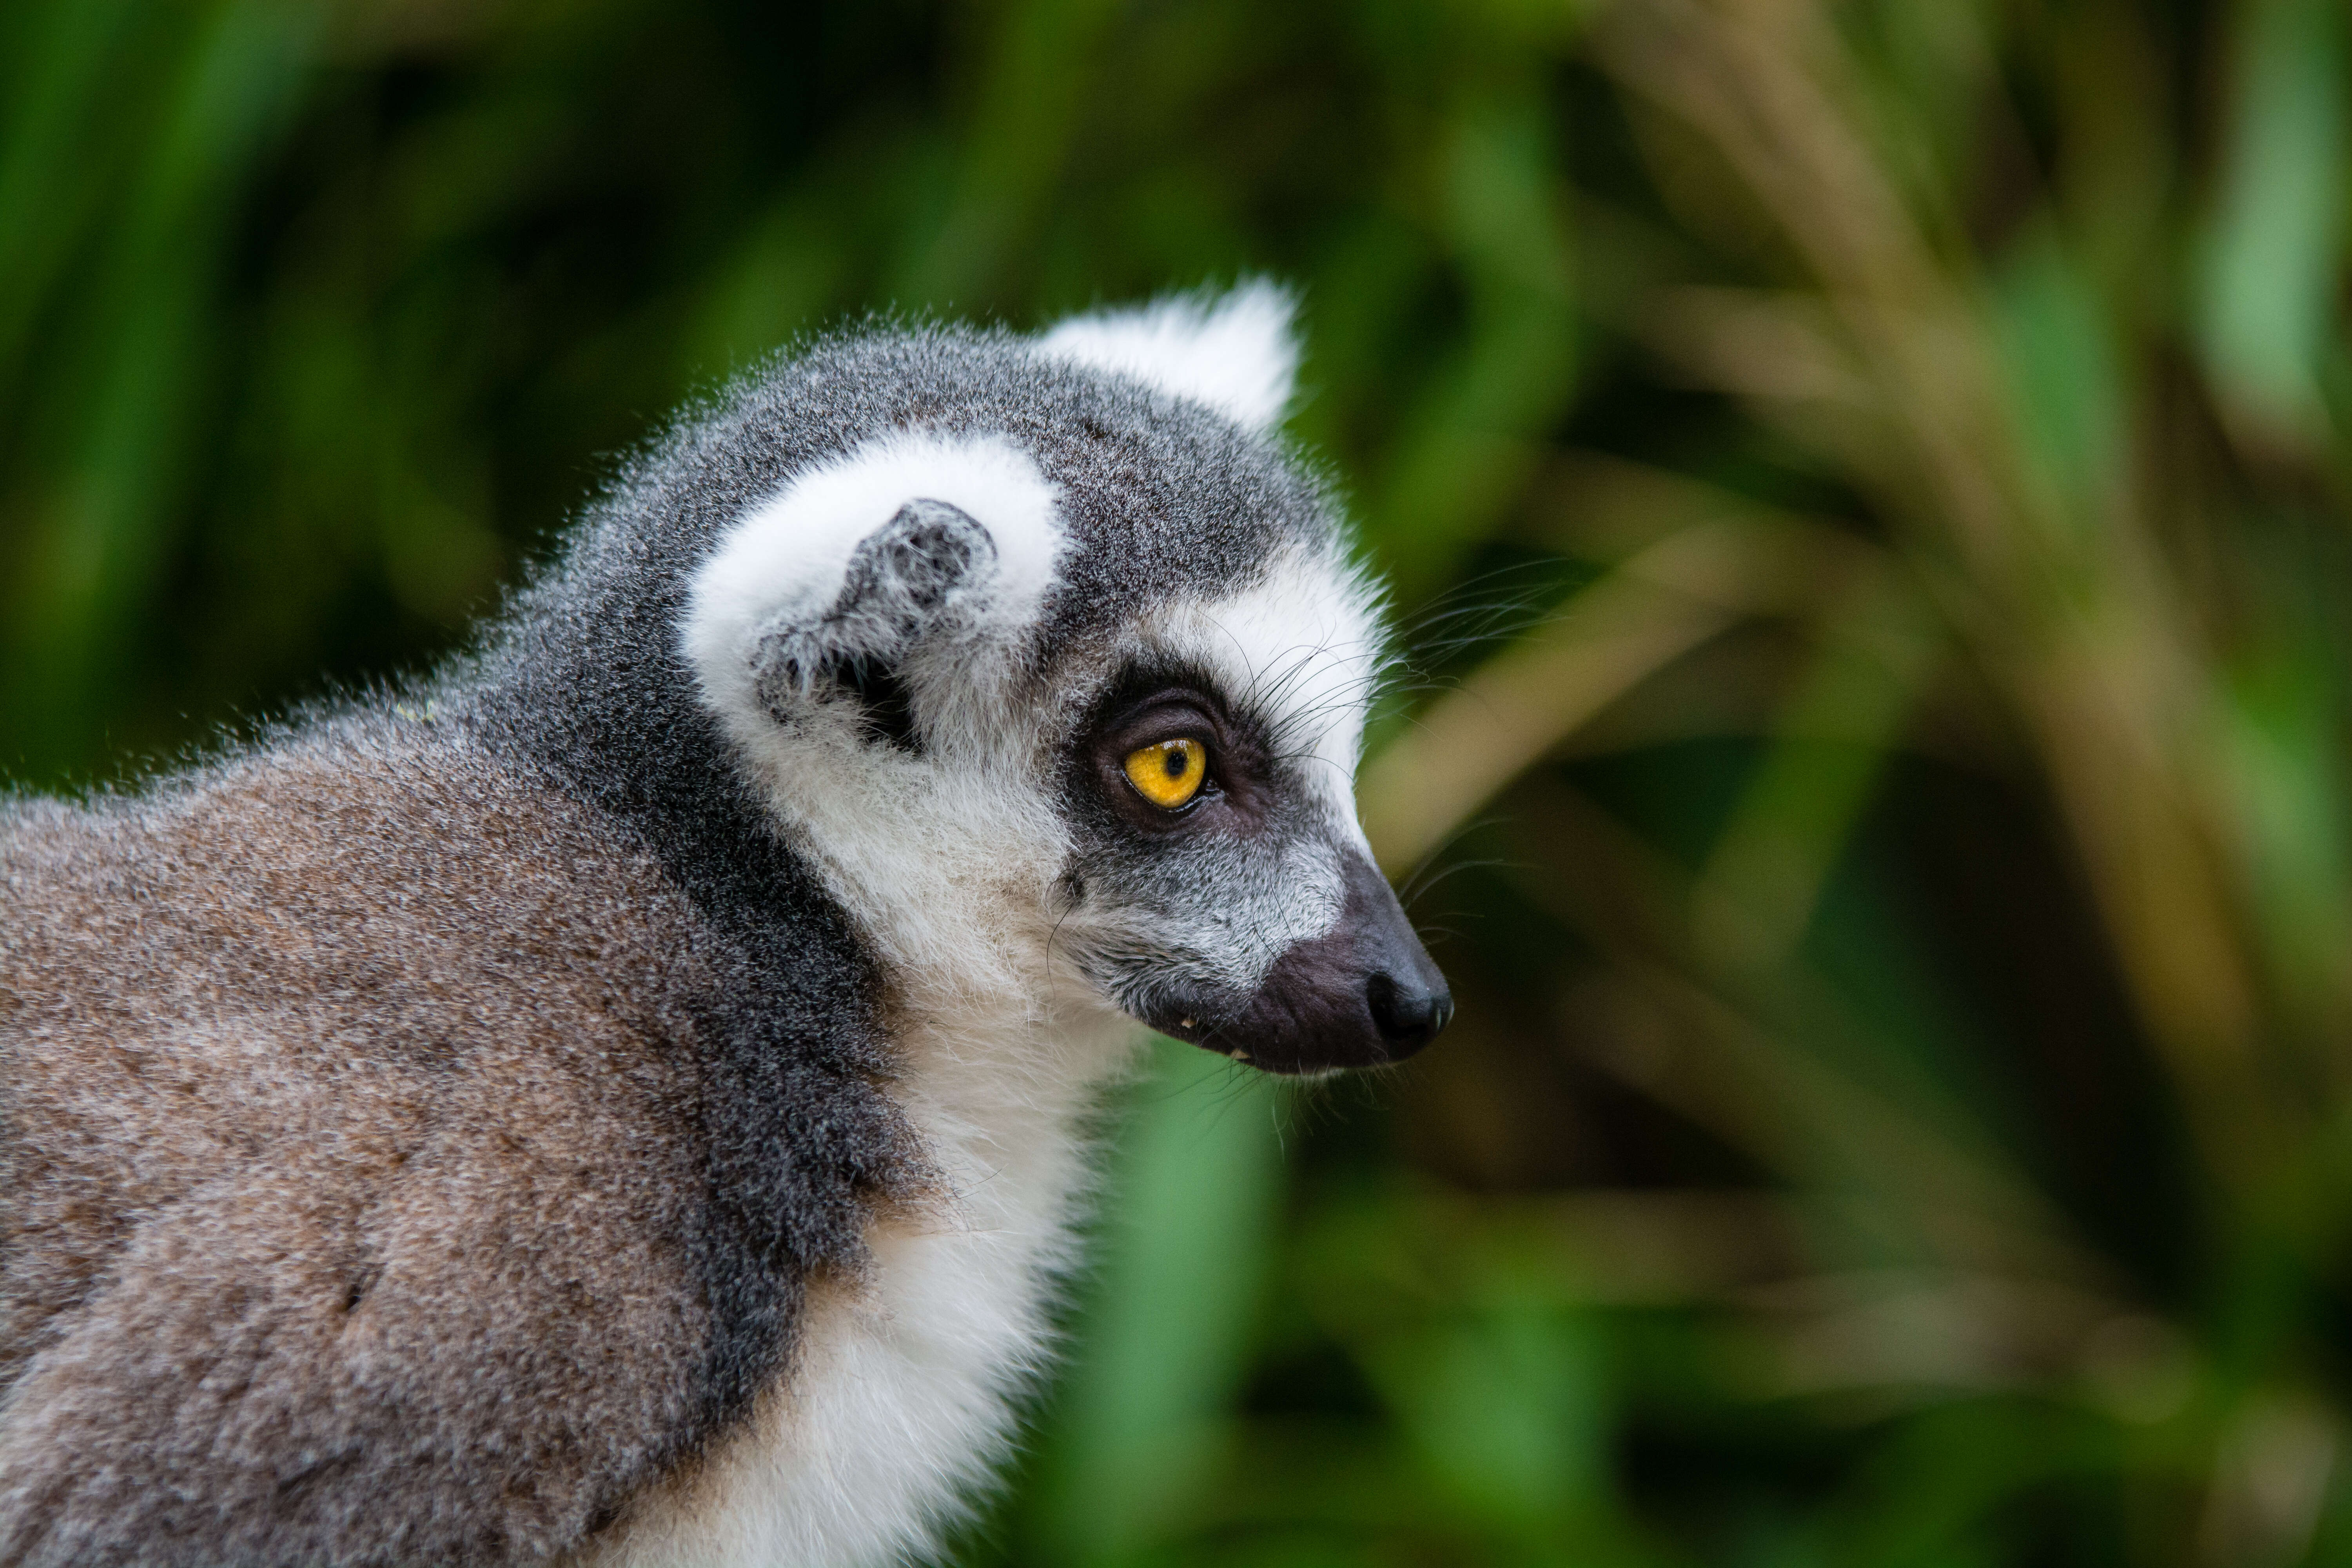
point(1235, 353)
point(823, 567)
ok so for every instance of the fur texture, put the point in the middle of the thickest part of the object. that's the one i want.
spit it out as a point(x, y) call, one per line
point(620, 1101)
point(358, 1184)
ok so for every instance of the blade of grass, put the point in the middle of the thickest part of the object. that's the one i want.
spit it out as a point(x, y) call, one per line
point(2267, 306)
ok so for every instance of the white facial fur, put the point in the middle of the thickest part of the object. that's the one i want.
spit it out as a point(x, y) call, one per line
point(951, 857)
point(877, 820)
point(1300, 651)
point(902, 1392)
point(1304, 644)
point(1237, 355)
point(903, 1389)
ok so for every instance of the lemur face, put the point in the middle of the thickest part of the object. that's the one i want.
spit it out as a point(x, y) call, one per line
point(1076, 678)
point(1221, 889)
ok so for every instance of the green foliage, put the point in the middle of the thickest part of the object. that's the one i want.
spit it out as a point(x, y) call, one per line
point(1866, 481)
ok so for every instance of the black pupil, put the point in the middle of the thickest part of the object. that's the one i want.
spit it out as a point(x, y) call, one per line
point(1177, 762)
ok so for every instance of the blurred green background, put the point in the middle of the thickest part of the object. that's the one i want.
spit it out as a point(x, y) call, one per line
point(1865, 485)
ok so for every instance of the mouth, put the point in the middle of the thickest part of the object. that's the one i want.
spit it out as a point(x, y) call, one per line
point(1362, 1021)
point(1210, 1034)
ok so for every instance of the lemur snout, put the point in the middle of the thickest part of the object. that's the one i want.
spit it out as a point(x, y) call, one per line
point(1363, 993)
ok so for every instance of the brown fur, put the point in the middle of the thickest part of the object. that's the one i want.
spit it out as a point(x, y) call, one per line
point(348, 1186)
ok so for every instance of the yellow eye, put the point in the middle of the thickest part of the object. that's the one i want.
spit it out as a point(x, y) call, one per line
point(1169, 774)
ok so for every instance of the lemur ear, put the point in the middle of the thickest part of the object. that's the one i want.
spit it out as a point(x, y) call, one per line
point(908, 579)
point(1236, 353)
point(909, 560)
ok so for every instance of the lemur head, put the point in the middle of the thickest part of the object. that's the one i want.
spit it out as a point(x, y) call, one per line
point(1055, 660)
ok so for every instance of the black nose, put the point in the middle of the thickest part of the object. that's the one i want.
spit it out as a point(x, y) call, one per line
point(1407, 1013)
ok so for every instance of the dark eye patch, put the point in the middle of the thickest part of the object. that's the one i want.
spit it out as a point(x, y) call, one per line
point(1151, 704)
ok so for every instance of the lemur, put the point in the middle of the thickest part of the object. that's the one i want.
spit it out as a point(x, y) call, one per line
point(620, 1099)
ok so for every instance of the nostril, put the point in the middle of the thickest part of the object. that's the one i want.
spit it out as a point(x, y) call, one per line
point(1406, 1014)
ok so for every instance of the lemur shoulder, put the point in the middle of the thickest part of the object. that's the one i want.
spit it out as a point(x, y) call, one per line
point(618, 1100)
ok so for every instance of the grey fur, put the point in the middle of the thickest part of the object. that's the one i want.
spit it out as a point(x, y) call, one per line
point(352, 1211)
point(422, 1129)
